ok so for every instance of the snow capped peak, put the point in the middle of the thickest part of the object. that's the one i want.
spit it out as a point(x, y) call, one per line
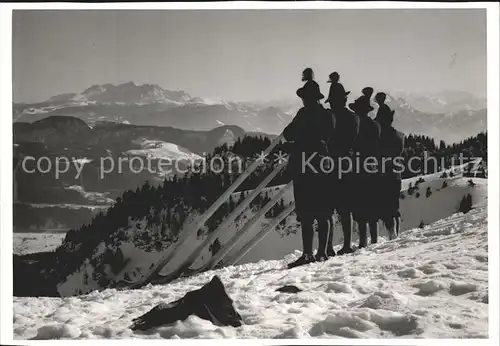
point(209, 101)
point(95, 89)
point(130, 93)
point(446, 101)
point(162, 150)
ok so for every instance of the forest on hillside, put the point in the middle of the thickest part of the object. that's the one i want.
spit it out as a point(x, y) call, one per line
point(165, 207)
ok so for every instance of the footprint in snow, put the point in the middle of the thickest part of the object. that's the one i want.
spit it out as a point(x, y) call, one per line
point(481, 258)
point(410, 273)
point(429, 269)
point(459, 288)
point(385, 301)
point(338, 287)
point(429, 287)
point(456, 325)
point(479, 297)
point(289, 289)
point(451, 265)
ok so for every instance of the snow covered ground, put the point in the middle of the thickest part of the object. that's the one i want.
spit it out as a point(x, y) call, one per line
point(415, 209)
point(25, 243)
point(69, 206)
point(442, 203)
point(163, 150)
point(92, 196)
point(430, 283)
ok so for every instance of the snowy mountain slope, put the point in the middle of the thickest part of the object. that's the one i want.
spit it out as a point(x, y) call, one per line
point(440, 204)
point(446, 101)
point(25, 243)
point(125, 94)
point(279, 242)
point(413, 287)
point(284, 240)
point(162, 150)
point(66, 137)
point(450, 125)
point(449, 115)
point(150, 104)
point(131, 260)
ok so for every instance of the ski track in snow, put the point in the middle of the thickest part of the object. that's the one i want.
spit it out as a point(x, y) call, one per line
point(430, 283)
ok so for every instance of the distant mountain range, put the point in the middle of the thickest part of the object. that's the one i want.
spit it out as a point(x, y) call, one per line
point(444, 102)
point(451, 126)
point(150, 104)
point(127, 120)
point(45, 202)
point(70, 137)
point(448, 115)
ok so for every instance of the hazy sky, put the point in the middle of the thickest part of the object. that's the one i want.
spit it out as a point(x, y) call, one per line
point(248, 54)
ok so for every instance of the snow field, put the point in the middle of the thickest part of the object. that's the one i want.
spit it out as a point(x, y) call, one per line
point(26, 243)
point(430, 283)
point(162, 150)
point(279, 243)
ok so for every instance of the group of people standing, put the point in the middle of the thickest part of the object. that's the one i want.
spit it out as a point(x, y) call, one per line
point(361, 185)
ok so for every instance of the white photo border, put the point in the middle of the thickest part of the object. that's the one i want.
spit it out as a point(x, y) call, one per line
point(6, 211)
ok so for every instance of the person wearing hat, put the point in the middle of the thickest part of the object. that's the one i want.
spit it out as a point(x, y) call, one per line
point(391, 146)
point(309, 131)
point(308, 78)
point(310, 93)
point(367, 91)
point(383, 112)
point(340, 148)
point(365, 99)
point(366, 177)
point(337, 92)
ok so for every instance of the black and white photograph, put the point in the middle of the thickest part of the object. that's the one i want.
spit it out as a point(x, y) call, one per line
point(239, 172)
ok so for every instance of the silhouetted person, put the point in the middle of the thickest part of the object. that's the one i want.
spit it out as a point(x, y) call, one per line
point(308, 78)
point(384, 111)
point(391, 146)
point(337, 92)
point(309, 131)
point(366, 149)
point(366, 97)
point(342, 184)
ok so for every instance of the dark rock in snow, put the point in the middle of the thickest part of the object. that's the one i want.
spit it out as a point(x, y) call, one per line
point(289, 289)
point(210, 302)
